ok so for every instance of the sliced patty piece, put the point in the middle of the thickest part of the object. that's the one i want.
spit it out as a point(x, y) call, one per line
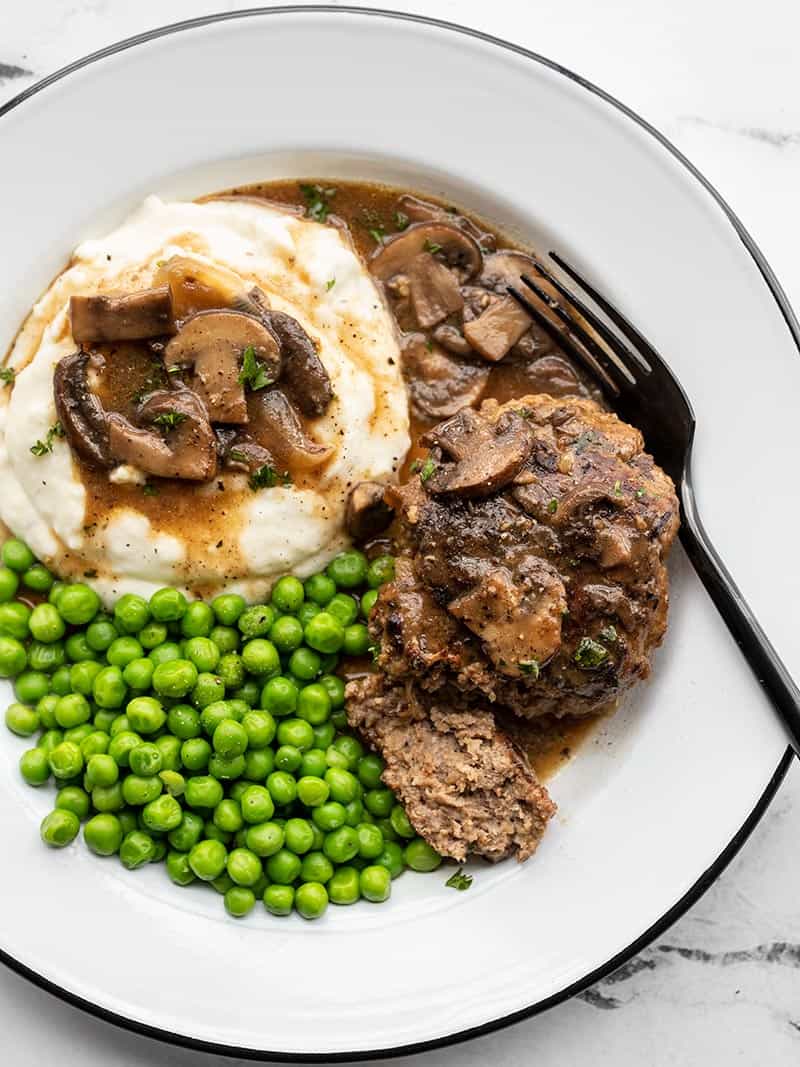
point(466, 787)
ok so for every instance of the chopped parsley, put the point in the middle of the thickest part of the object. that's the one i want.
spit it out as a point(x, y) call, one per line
point(377, 234)
point(590, 654)
point(374, 651)
point(640, 493)
point(317, 201)
point(432, 247)
point(401, 220)
point(169, 420)
point(237, 455)
point(429, 345)
point(415, 466)
point(552, 506)
point(427, 469)
point(174, 369)
point(267, 477)
point(42, 448)
point(524, 413)
point(7, 375)
point(149, 489)
point(459, 880)
point(529, 666)
point(253, 373)
point(617, 488)
point(609, 634)
point(329, 284)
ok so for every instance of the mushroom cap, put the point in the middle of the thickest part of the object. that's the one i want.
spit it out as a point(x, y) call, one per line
point(303, 371)
point(213, 342)
point(79, 411)
point(440, 384)
point(275, 426)
point(197, 286)
point(121, 317)
point(457, 248)
point(186, 450)
point(482, 455)
point(367, 512)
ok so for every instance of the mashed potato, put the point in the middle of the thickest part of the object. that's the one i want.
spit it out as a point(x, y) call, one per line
point(230, 537)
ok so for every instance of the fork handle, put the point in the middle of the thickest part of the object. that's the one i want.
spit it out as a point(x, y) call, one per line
point(756, 647)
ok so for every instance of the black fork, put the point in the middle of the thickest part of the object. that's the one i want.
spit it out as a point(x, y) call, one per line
point(644, 391)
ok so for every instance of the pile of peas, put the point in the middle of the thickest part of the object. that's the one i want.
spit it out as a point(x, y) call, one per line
point(209, 736)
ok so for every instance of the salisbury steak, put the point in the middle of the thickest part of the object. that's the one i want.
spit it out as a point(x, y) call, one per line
point(465, 785)
point(533, 545)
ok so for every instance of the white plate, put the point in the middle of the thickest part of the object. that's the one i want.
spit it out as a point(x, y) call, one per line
point(651, 810)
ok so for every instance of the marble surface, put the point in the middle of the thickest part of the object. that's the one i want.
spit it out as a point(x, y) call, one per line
point(721, 81)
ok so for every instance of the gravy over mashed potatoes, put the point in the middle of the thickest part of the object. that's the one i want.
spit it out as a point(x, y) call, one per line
point(125, 531)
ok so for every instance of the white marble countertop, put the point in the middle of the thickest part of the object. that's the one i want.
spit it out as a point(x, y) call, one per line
point(722, 81)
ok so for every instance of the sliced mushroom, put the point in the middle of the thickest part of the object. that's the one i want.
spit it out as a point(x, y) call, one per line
point(457, 249)
point(79, 411)
point(197, 286)
point(213, 342)
point(245, 454)
point(126, 317)
point(435, 292)
point(367, 513)
point(485, 455)
point(505, 268)
point(275, 426)
point(439, 384)
point(303, 372)
point(498, 329)
point(452, 339)
point(181, 446)
point(424, 211)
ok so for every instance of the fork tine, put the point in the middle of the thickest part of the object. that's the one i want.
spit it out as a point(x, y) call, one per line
point(609, 361)
point(624, 325)
point(617, 346)
point(565, 340)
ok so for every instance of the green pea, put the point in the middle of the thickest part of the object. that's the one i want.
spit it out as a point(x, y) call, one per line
point(128, 820)
point(334, 687)
point(248, 693)
point(109, 689)
point(226, 768)
point(59, 828)
point(313, 764)
point(239, 901)
point(306, 612)
point(375, 883)
point(197, 620)
point(13, 658)
point(178, 868)
point(320, 588)
point(37, 578)
point(228, 607)
point(370, 841)
point(152, 635)
point(214, 714)
point(314, 704)
point(9, 583)
point(174, 782)
point(344, 608)
point(138, 791)
point(287, 594)
point(45, 709)
point(136, 850)
point(15, 620)
point(419, 856)
point(82, 676)
point(34, 766)
point(165, 653)
point(279, 696)
point(78, 733)
point(244, 867)
point(131, 614)
point(187, 833)
point(46, 658)
point(103, 834)
point(59, 681)
point(286, 633)
point(145, 714)
point(299, 836)
point(175, 678)
point(104, 719)
point(336, 758)
point(49, 739)
point(282, 787)
point(76, 648)
point(145, 760)
point(203, 791)
point(369, 770)
point(380, 571)
point(368, 602)
point(101, 769)
point(265, 838)
point(72, 710)
point(138, 674)
point(340, 845)
point(357, 640)
point(95, 744)
point(260, 728)
point(329, 816)
point(162, 814)
point(168, 605)
point(123, 650)
point(260, 657)
point(257, 805)
point(323, 737)
point(316, 867)
point(343, 785)
point(46, 624)
point(344, 887)
point(226, 638)
point(311, 900)
point(231, 670)
point(170, 750)
point(73, 798)
point(22, 720)
point(228, 816)
point(209, 689)
point(279, 899)
point(78, 604)
point(379, 802)
point(17, 555)
point(348, 569)
point(283, 867)
point(108, 797)
point(101, 634)
point(207, 859)
point(183, 721)
point(295, 732)
point(121, 746)
point(257, 620)
point(202, 652)
point(195, 754)
point(324, 633)
point(288, 758)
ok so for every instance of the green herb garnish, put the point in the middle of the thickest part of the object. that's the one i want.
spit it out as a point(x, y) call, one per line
point(617, 488)
point(415, 466)
point(237, 455)
point(640, 493)
point(149, 489)
point(7, 375)
point(253, 373)
point(609, 634)
point(432, 247)
point(42, 448)
point(377, 234)
point(590, 654)
point(329, 284)
point(267, 477)
point(317, 201)
point(552, 506)
point(401, 220)
point(427, 469)
point(169, 420)
point(459, 880)
point(529, 666)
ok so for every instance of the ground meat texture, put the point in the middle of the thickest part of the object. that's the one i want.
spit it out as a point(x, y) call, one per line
point(548, 595)
point(466, 787)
